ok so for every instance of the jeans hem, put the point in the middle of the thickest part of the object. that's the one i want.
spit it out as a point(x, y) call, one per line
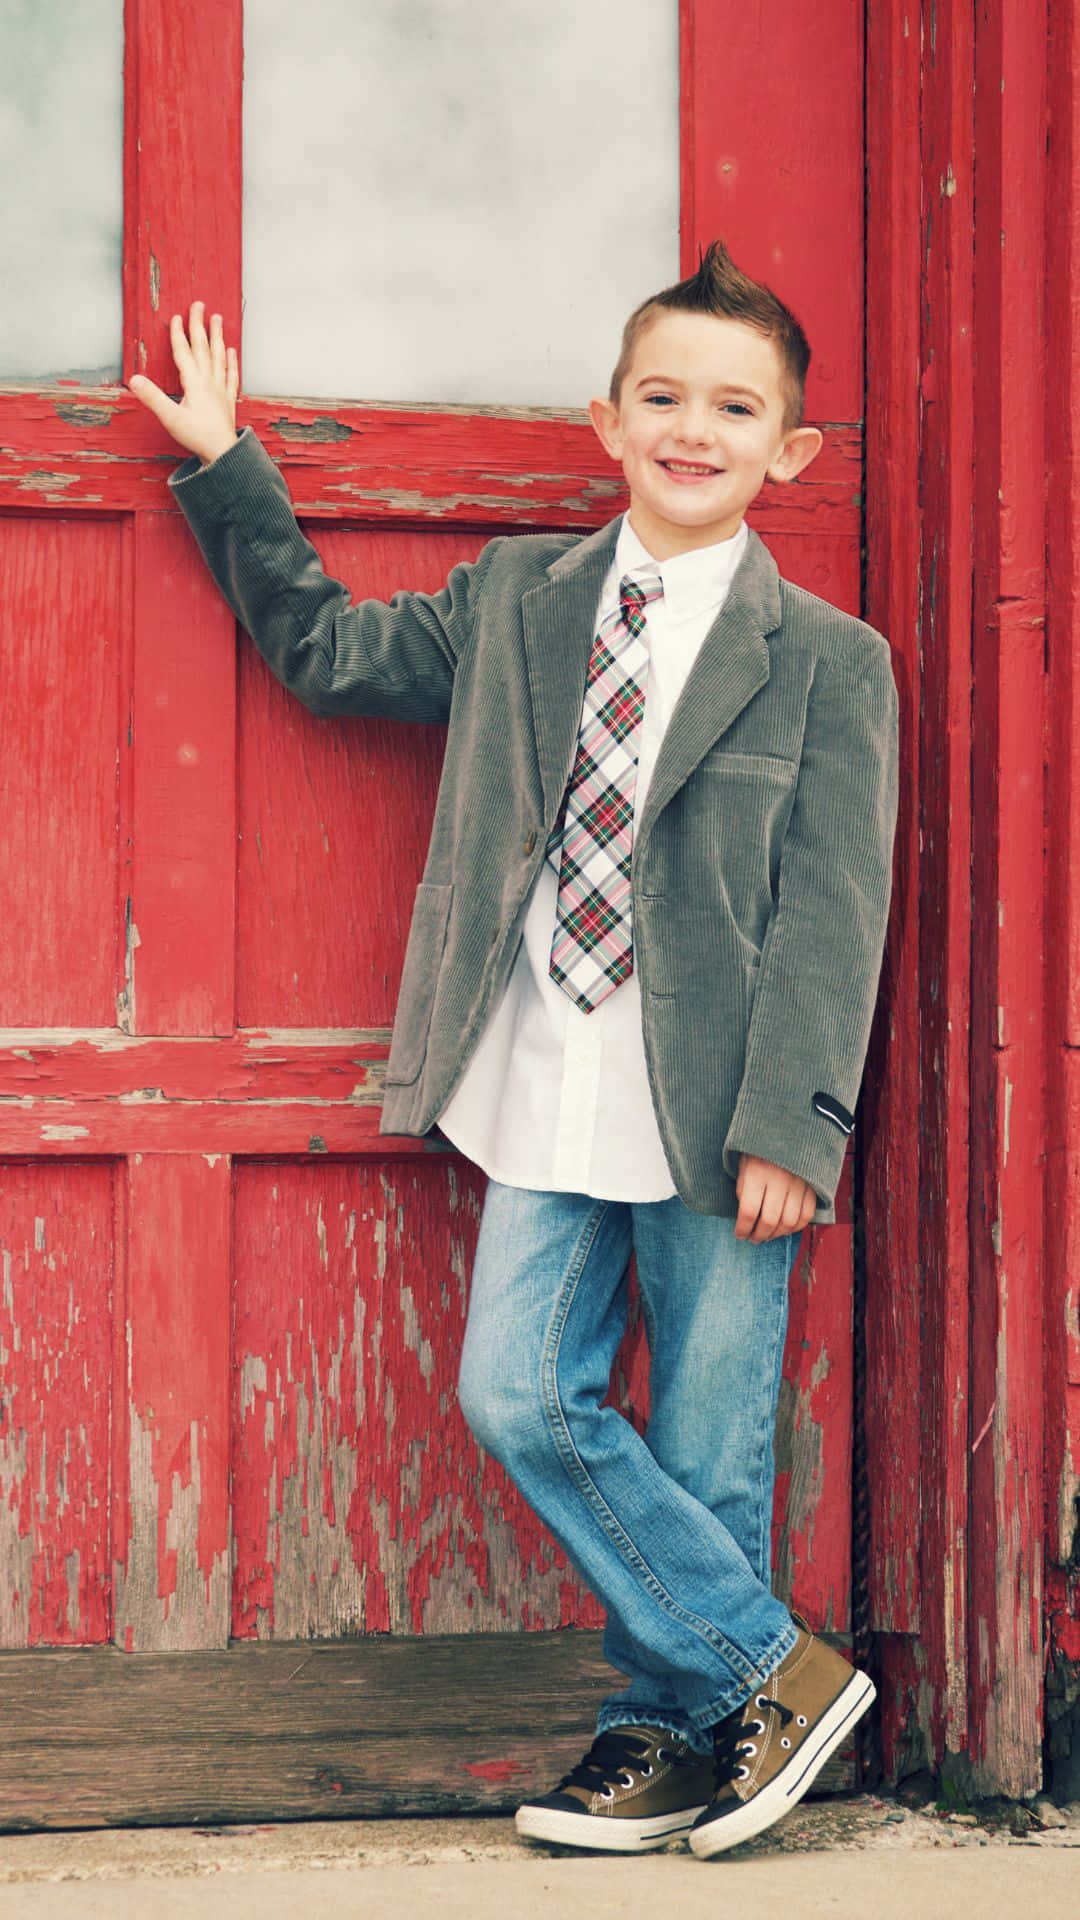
point(609, 1717)
point(704, 1718)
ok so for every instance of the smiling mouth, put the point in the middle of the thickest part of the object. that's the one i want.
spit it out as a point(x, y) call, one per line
point(691, 467)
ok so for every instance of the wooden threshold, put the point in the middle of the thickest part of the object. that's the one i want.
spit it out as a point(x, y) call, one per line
point(300, 1730)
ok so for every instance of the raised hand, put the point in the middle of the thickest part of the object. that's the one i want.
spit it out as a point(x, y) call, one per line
point(204, 421)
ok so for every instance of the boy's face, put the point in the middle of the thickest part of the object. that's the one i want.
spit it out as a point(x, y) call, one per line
point(698, 428)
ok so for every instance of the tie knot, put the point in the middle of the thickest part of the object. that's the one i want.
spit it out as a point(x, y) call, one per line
point(635, 595)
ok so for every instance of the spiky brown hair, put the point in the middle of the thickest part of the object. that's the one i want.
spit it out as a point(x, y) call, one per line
point(720, 287)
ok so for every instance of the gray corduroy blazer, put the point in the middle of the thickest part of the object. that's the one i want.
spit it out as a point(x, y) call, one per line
point(762, 859)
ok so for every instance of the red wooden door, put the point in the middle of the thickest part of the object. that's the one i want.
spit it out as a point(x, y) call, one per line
point(231, 1310)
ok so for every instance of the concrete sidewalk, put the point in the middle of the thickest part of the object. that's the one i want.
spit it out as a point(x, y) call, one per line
point(864, 1856)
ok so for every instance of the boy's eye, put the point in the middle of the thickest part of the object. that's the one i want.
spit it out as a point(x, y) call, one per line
point(668, 400)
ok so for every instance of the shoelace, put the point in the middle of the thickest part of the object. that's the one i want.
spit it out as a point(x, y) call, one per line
point(730, 1739)
point(613, 1755)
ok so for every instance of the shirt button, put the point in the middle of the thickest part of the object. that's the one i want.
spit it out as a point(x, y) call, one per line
point(530, 842)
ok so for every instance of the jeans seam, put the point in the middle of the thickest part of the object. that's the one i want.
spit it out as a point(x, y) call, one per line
point(764, 1540)
point(577, 1471)
point(702, 1718)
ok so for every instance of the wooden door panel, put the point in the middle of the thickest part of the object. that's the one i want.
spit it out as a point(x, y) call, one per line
point(170, 1507)
point(56, 1362)
point(361, 1503)
point(61, 633)
point(334, 818)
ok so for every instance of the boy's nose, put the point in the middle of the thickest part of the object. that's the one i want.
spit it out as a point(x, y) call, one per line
point(694, 429)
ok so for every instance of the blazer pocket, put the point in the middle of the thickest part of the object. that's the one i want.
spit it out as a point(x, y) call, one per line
point(765, 766)
point(419, 982)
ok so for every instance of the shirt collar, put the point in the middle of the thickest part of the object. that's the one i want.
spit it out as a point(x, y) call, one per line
point(692, 581)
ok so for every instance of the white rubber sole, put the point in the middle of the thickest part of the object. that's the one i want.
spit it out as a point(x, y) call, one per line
point(781, 1794)
point(609, 1832)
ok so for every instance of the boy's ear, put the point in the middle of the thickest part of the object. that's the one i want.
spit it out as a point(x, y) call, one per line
point(799, 447)
point(605, 418)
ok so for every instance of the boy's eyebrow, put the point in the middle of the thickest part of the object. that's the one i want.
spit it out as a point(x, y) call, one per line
point(668, 380)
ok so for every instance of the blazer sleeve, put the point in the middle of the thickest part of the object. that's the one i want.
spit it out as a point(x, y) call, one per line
point(395, 657)
point(821, 957)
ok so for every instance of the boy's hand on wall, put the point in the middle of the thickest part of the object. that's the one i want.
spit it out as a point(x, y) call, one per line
point(204, 421)
point(771, 1200)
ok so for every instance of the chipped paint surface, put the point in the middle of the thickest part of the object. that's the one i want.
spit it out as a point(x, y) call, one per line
point(55, 1396)
point(171, 1535)
point(361, 1502)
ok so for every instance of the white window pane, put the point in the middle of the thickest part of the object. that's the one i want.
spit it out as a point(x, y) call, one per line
point(61, 161)
point(454, 200)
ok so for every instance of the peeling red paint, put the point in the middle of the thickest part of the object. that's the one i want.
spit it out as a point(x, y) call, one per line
point(56, 1281)
point(495, 1769)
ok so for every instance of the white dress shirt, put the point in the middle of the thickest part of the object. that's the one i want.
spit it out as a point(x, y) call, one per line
point(554, 1098)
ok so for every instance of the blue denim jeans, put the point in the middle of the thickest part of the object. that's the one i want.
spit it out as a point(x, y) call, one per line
point(672, 1531)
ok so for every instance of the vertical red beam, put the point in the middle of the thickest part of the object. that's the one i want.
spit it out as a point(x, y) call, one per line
point(1008, 736)
point(1061, 1350)
point(171, 1522)
point(183, 123)
point(946, 487)
point(892, 1146)
point(182, 240)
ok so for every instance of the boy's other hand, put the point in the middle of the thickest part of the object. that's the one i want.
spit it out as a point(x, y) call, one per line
point(204, 421)
point(771, 1200)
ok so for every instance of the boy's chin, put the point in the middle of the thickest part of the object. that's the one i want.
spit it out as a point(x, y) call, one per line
point(689, 516)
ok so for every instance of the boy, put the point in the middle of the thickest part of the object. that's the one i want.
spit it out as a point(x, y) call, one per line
point(638, 991)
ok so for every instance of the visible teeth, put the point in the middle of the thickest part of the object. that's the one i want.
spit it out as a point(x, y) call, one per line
point(684, 466)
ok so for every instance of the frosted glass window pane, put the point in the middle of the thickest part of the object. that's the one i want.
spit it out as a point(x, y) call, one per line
point(454, 200)
point(61, 161)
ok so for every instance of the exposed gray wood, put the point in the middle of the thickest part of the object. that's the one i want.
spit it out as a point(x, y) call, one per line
point(303, 1730)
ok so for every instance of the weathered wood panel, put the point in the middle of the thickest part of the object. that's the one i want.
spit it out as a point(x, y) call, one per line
point(441, 1725)
point(171, 1538)
point(335, 817)
point(812, 1505)
point(930, 1320)
point(96, 448)
point(56, 1296)
point(180, 933)
point(1006, 1539)
point(60, 722)
point(1061, 1320)
point(361, 1502)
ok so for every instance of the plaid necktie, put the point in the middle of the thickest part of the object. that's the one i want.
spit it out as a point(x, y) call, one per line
point(592, 946)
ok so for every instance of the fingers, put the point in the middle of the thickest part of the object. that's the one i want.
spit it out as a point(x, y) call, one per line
point(203, 354)
point(217, 350)
point(771, 1203)
point(200, 346)
point(181, 352)
point(152, 397)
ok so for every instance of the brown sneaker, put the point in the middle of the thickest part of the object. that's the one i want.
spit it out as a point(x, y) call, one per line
point(769, 1751)
point(637, 1788)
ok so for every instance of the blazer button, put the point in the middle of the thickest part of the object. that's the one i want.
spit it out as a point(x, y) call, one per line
point(530, 842)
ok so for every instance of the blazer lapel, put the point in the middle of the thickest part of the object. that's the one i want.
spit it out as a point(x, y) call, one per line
point(732, 665)
point(558, 617)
